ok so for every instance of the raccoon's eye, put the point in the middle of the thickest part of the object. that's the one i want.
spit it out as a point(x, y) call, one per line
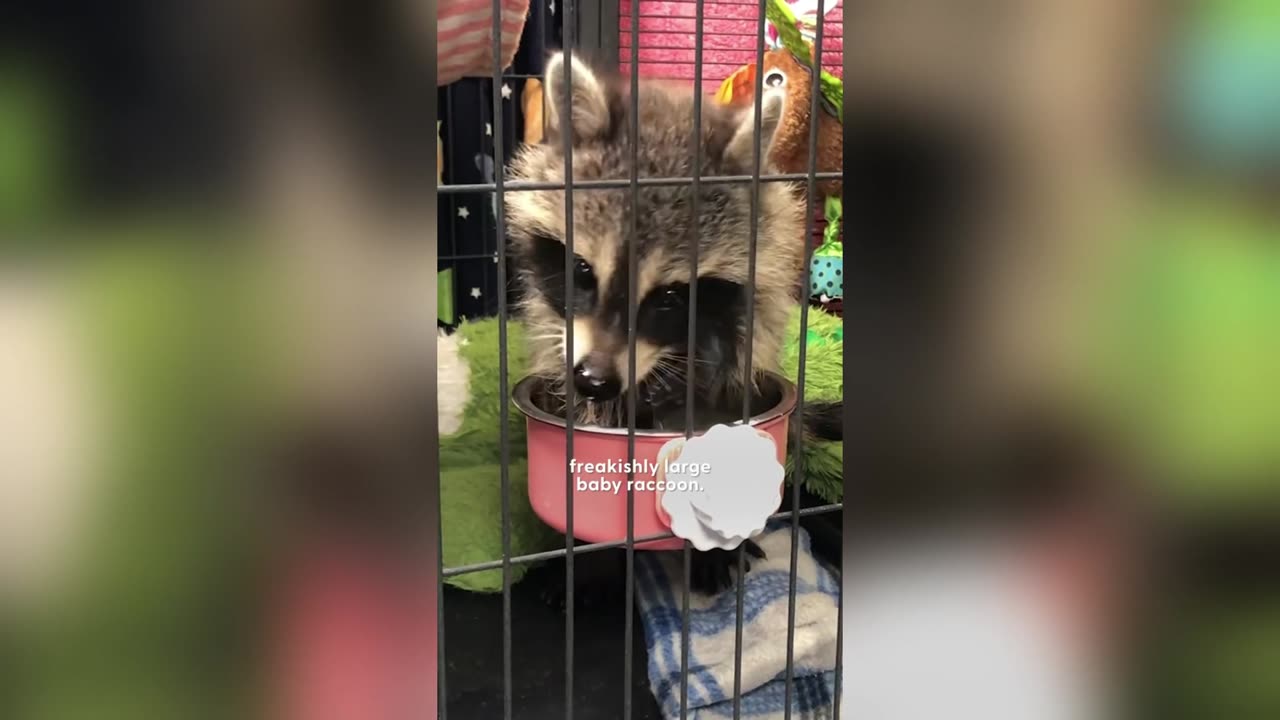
point(669, 299)
point(582, 274)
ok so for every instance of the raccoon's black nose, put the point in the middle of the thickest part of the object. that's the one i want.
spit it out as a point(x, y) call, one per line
point(594, 380)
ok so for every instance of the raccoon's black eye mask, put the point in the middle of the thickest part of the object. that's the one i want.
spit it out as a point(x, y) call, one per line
point(547, 263)
point(662, 318)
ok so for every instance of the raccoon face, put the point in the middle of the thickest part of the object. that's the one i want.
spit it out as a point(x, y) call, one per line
point(666, 233)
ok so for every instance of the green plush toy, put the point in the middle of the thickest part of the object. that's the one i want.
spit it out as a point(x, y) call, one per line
point(470, 442)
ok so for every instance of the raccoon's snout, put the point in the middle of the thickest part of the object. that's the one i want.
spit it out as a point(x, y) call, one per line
point(596, 377)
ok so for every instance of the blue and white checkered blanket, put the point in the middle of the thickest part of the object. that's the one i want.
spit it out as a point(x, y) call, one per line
point(712, 630)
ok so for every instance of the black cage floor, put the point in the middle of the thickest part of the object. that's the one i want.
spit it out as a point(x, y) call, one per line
point(473, 648)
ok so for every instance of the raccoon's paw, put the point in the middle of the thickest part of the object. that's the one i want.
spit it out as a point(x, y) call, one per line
point(711, 572)
point(824, 420)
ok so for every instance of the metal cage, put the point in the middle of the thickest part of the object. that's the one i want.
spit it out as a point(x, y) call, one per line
point(595, 20)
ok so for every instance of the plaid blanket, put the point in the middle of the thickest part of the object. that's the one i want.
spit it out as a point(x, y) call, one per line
point(712, 630)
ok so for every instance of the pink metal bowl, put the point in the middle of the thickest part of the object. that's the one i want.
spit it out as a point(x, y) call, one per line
point(601, 515)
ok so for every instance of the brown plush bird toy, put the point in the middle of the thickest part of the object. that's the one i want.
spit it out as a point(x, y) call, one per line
point(789, 66)
point(790, 150)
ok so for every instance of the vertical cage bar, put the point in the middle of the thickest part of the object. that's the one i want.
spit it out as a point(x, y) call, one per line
point(486, 225)
point(441, 669)
point(503, 441)
point(542, 57)
point(500, 230)
point(451, 163)
point(839, 652)
point(754, 234)
point(569, 21)
point(751, 302)
point(695, 240)
point(442, 696)
point(797, 477)
point(633, 304)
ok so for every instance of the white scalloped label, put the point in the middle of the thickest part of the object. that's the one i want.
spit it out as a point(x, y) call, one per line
point(718, 490)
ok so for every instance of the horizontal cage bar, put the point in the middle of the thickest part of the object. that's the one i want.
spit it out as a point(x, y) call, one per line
point(642, 182)
point(580, 549)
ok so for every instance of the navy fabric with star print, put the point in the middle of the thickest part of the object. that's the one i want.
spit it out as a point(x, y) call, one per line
point(467, 227)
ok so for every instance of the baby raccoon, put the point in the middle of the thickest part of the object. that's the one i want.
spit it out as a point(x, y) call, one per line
point(601, 245)
point(601, 145)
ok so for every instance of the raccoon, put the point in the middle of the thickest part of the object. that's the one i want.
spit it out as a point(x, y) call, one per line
point(597, 363)
point(601, 243)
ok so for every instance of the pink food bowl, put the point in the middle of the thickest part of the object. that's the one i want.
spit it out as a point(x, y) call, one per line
point(600, 515)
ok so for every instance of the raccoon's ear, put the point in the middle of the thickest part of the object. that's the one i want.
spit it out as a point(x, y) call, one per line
point(741, 146)
point(589, 102)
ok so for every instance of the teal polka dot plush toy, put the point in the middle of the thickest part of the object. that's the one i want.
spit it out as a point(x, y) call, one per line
point(827, 276)
point(826, 270)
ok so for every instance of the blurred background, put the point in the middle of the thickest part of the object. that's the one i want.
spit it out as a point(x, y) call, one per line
point(1064, 289)
point(216, 222)
point(218, 239)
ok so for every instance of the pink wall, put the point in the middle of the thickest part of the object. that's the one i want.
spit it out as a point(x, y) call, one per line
point(666, 38)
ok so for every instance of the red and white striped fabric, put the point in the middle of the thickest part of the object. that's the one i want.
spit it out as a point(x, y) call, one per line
point(464, 37)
